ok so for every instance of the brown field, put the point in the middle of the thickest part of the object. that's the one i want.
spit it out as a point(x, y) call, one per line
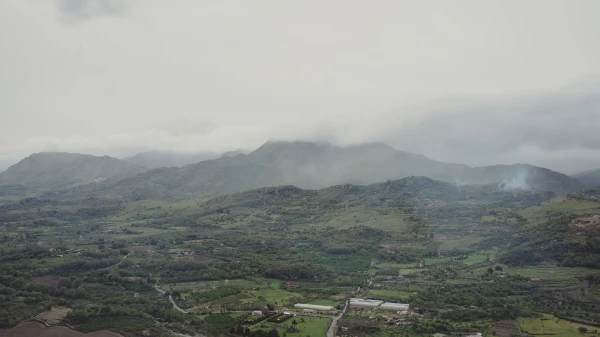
point(506, 328)
point(35, 329)
point(50, 280)
point(54, 316)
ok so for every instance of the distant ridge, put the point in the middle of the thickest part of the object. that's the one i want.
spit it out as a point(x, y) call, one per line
point(318, 165)
point(591, 177)
point(156, 159)
point(61, 169)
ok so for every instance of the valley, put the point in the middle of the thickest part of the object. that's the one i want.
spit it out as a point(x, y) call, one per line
point(463, 257)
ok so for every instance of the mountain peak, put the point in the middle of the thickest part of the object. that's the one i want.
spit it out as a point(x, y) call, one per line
point(62, 169)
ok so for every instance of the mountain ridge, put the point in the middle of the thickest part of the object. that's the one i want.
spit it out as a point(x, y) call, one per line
point(591, 177)
point(62, 169)
point(310, 165)
point(156, 159)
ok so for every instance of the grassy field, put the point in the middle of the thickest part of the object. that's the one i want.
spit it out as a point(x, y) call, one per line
point(457, 243)
point(326, 302)
point(308, 326)
point(270, 295)
point(57, 260)
point(539, 214)
point(548, 325)
point(145, 231)
point(389, 294)
point(475, 258)
point(398, 222)
point(548, 272)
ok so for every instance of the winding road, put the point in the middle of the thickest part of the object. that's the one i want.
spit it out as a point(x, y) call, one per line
point(175, 306)
point(330, 331)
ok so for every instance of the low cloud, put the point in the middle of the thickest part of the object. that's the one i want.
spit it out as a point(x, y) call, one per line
point(74, 11)
point(477, 84)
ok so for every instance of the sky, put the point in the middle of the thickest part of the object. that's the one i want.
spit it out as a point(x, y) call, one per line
point(474, 82)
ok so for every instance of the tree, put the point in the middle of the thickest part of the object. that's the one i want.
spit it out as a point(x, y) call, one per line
point(498, 268)
point(490, 271)
point(582, 329)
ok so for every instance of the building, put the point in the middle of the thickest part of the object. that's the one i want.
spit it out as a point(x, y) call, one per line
point(389, 306)
point(365, 304)
point(314, 307)
point(257, 313)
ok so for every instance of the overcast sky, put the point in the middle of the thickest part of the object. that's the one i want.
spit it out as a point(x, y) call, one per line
point(476, 82)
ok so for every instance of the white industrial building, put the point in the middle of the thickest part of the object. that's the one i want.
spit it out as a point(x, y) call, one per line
point(389, 306)
point(314, 307)
point(362, 303)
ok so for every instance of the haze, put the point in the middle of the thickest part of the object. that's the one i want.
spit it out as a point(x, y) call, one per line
point(463, 81)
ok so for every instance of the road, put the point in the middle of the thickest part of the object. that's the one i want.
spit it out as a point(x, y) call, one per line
point(116, 265)
point(331, 331)
point(175, 306)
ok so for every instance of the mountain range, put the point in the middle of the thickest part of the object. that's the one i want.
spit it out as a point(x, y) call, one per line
point(48, 170)
point(306, 165)
point(591, 177)
point(156, 159)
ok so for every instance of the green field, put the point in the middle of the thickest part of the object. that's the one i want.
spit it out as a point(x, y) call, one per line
point(548, 325)
point(389, 294)
point(539, 214)
point(270, 295)
point(548, 272)
point(308, 326)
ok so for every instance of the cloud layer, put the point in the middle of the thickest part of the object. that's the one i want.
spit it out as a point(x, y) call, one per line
point(462, 81)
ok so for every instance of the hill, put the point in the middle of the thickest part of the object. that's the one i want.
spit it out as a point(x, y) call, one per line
point(156, 159)
point(522, 177)
point(233, 153)
point(591, 178)
point(318, 165)
point(58, 170)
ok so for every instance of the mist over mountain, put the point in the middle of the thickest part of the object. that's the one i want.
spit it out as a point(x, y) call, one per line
point(308, 165)
point(317, 165)
point(156, 159)
point(60, 169)
point(591, 177)
point(233, 153)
